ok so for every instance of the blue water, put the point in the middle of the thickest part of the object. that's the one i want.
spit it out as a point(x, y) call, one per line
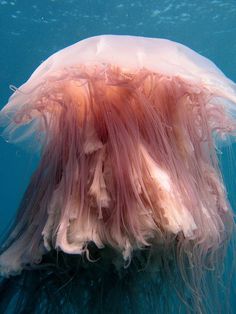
point(31, 30)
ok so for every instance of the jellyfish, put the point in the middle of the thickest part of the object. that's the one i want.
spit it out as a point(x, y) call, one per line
point(127, 202)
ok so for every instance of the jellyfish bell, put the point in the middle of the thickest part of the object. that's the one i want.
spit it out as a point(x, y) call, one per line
point(127, 128)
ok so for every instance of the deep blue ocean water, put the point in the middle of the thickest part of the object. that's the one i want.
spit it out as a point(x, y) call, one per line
point(31, 30)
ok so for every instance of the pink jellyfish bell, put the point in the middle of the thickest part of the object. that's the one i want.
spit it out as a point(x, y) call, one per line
point(127, 128)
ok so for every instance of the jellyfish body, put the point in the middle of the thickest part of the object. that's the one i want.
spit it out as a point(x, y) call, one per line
point(127, 128)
